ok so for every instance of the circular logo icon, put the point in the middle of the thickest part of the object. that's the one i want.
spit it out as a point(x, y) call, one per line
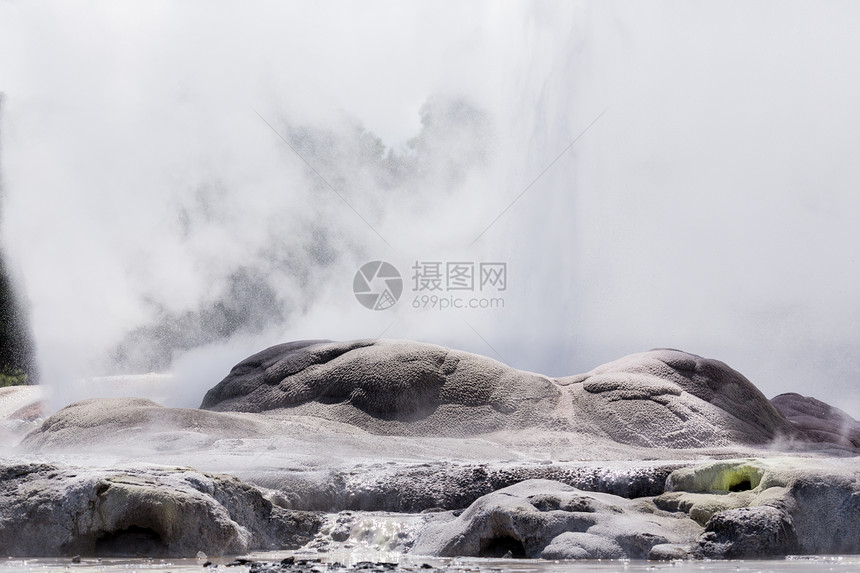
point(377, 285)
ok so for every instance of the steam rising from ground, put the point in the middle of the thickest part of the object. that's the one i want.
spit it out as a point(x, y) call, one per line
point(158, 223)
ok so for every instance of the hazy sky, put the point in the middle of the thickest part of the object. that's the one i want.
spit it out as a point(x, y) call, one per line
point(710, 208)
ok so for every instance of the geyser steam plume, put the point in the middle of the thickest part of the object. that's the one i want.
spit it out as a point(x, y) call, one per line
point(16, 346)
point(158, 223)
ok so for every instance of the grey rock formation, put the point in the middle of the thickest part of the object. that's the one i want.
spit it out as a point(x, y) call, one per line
point(748, 533)
point(21, 410)
point(541, 518)
point(410, 427)
point(21, 403)
point(50, 510)
point(813, 506)
point(734, 509)
point(661, 398)
point(121, 422)
point(817, 421)
point(824, 505)
point(670, 398)
point(388, 387)
point(445, 485)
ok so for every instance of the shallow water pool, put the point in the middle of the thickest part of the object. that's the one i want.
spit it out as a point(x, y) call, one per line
point(412, 563)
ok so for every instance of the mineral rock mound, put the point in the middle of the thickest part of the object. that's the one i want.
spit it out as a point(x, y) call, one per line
point(21, 410)
point(548, 519)
point(661, 398)
point(21, 403)
point(748, 533)
point(732, 509)
point(769, 507)
point(299, 395)
point(122, 423)
point(388, 387)
point(50, 510)
point(669, 398)
point(817, 421)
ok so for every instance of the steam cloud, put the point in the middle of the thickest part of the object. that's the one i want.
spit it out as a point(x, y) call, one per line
point(156, 222)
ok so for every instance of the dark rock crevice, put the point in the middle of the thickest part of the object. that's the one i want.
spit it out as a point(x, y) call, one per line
point(131, 541)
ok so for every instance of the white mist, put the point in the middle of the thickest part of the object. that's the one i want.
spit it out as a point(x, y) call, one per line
point(709, 208)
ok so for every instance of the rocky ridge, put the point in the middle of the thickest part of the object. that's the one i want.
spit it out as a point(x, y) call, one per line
point(658, 455)
point(54, 510)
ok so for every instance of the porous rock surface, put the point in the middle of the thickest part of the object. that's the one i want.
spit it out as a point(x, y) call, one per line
point(548, 519)
point(733, 509)
point(669, 398)
point(409, 427)
point(661, 398)
point(123, 421)
point(52, 510)
point(770, 507)
point(817, 421)
point(748, 533)
point(387, 387)
point(449, 486)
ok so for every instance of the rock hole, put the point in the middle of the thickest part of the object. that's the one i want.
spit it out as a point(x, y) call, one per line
point(544, 502)
point(743, 485)
point(500, 546)
point(131, 541)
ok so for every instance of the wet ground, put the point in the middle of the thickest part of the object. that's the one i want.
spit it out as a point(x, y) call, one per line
point(307, 563)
